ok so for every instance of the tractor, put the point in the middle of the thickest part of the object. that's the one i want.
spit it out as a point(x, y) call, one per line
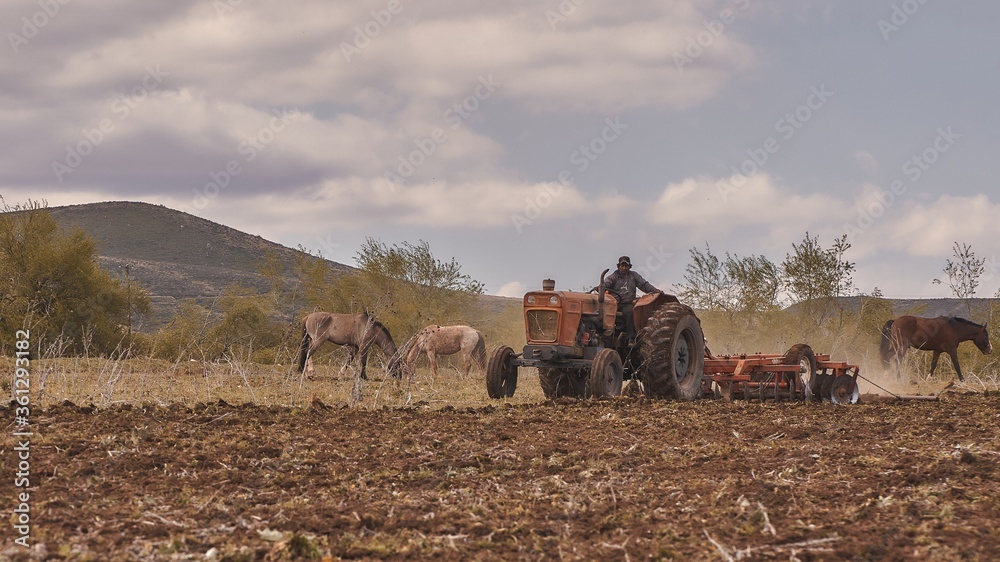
point(577, 342)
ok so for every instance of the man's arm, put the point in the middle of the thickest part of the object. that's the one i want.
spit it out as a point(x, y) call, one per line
point(643, 285)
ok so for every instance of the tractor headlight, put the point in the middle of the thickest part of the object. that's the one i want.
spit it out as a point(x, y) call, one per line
point(553, 300)
point(531, 299)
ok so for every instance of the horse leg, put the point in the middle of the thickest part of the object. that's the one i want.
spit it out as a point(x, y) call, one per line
point(364, 363)
point(303, 350)
point(954, 361)
point(351, 352)
point(934, 360)
point(313, 346)
point(432, 359)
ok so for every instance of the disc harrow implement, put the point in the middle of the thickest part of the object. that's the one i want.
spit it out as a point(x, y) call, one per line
point(798, 375)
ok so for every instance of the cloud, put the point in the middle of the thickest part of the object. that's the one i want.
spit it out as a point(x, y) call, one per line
point(932, 229)
point(703, 205)
point(512, 289)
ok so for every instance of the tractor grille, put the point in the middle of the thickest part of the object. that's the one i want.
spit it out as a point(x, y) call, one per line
point(542, 325)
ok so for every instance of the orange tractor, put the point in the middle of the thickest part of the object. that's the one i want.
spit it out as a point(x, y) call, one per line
point(576, 341)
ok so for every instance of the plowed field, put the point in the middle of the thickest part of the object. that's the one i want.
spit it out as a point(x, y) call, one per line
point(625, 479)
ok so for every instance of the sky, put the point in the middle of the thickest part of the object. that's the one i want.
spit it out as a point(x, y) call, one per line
point(526, 140)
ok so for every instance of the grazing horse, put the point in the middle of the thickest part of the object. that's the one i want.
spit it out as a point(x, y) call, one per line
point(446, 340)
point(940, 335)
point(356, 331)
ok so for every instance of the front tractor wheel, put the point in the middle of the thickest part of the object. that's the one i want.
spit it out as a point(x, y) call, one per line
point(606, 375)
point(501, 374)
point(673, 353)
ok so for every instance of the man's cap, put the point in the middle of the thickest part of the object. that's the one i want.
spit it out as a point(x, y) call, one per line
point(625, 260)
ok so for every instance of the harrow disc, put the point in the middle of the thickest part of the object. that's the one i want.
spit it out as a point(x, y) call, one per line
point(844, 390)
point(826, 387)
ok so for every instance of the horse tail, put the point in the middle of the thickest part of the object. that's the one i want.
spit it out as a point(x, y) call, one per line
point(885, 347)
point(415, 348)
point(304, 348)
point(479, 351)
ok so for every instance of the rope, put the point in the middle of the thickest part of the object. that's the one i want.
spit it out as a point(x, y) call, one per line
point(879, 387)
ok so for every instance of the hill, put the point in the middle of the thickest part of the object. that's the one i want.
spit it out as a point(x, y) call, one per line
point(177, 256)
point(980, 308)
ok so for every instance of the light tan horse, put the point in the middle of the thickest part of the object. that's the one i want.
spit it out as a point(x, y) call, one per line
point(447, 340)
point(356, 331)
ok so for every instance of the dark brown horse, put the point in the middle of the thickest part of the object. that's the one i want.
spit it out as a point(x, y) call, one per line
point(359, 332)
point(940, 335)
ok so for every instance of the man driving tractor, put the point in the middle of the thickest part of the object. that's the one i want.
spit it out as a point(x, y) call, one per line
point(622, 283)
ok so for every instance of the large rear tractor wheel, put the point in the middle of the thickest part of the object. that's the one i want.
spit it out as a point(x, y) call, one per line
point(606, 375)
point(802, 355)
point(673, 353)
point(501, 374)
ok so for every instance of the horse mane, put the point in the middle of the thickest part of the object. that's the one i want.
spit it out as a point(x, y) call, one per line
point(960, 320)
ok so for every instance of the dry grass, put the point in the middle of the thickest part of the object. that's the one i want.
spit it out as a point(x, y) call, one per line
point(104, 382)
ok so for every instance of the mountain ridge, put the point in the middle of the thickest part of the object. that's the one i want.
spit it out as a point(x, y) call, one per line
point(173, 254)
point(178, 256)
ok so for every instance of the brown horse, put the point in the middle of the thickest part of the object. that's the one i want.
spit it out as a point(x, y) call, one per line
point(447, 340)
point(940, 335)
point(356, 331)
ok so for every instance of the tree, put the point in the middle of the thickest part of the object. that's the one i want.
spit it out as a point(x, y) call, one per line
point(756, 281)
point(707, 284)
point(873, 312)
point(184, 337)
point(415, 264)
point(402, 285)
point(963, 274)
point(246, 324)
point(736, 285)
point(813, 272)
point(51, 283)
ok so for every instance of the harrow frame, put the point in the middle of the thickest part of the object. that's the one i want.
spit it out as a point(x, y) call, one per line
point(763, 377)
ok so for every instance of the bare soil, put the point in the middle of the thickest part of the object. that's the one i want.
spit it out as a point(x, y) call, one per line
point(624, 479)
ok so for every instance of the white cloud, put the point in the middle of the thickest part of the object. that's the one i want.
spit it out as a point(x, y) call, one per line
point(512, 289)
point(932, 229)
point(704, 205)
